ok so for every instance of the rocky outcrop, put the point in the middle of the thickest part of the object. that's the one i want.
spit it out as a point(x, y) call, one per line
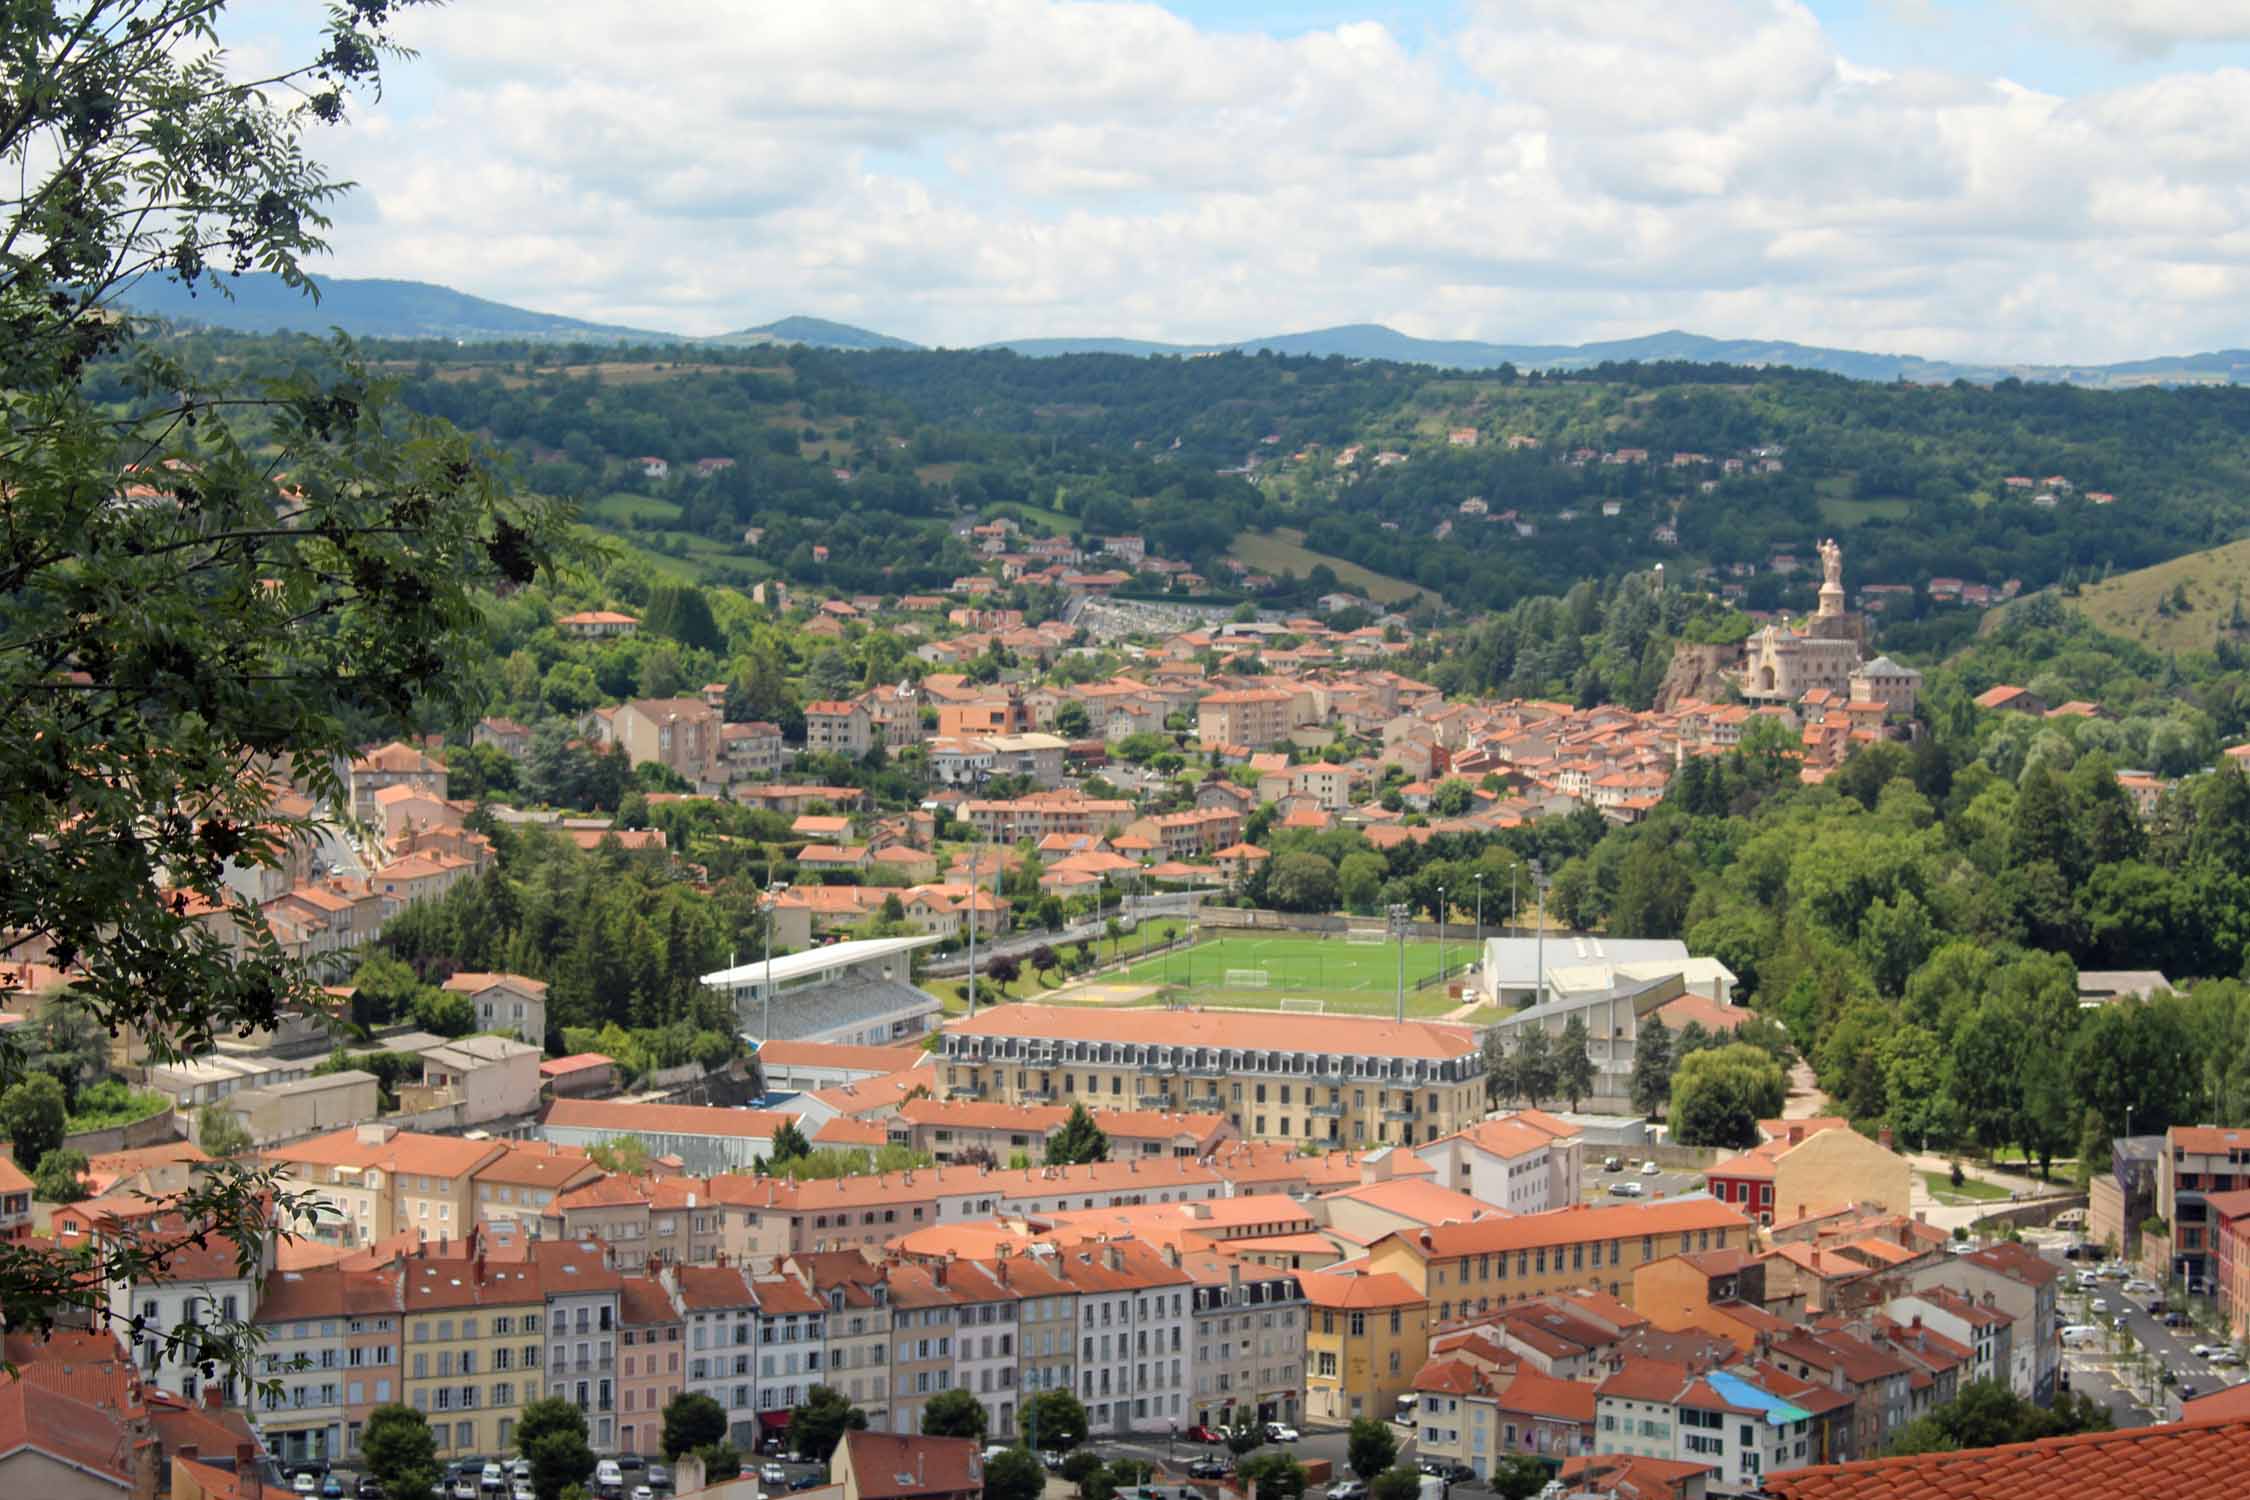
point(1695, 674)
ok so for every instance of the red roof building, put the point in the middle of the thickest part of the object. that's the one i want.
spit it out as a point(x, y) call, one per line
point(2207, 1458)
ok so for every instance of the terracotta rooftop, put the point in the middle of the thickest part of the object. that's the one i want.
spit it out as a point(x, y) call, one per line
point(1570, 1226)
point(2205, 1458)
point(890, 1466)
point(1363, 1036)
point(663, 1119)
point(1340, 1289)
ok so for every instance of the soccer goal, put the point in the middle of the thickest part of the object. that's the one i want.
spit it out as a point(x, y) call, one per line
point(1366, 937)
point(1315, 1007)
point(1246, 979)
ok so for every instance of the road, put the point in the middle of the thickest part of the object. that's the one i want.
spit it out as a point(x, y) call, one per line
point(2138, 1353)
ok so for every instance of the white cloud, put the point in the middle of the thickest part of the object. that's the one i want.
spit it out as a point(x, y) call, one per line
point(2150, 28)
point(1548, 170)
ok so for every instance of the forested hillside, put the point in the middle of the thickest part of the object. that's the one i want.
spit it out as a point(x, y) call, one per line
point(871, 455)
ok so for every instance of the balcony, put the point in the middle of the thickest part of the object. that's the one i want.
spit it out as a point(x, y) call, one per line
point(1325, 1111)
point(1398, 1112)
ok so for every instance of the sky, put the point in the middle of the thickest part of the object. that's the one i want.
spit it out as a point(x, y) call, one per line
point(2027, 180)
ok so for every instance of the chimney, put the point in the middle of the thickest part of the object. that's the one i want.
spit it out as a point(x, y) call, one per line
point(937, 1273)
point(1883, 1138)
point(213, 1396)
point(147, 1458)
point(1796, 1134)
point(248, 1482)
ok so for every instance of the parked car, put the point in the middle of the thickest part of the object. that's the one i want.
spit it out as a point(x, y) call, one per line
point(1202, 1434)
point(2224, 1357)
point(773, 1474)
point(520, 1489)
point(1347, 1489)
point(369, 1489)
point(659, 1477)
point(332, 1488)
point(2187, 1390)
point(1626, 1189)
point(1280, 1432)
point(2140, 1286)
point(1613, 1164)
point(643, 1492)
point(2175, 1320)
point(1650, 1168)
point(2204, 1351)
point(2155, 1308)
point(808, 1480)
point(304, 1482)
point(1207, 1468)
point(520, 1469)
point(1452, 1471)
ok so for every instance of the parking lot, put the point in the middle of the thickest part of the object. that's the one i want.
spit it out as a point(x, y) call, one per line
point(1601, 1185)
point(1173, 1455)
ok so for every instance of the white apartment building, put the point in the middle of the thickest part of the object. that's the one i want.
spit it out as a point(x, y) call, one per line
point(1133, 1349)
point(1527, 1162)
point(721, 1314)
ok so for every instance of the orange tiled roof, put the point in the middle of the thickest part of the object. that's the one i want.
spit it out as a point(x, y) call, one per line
point(1364, 1036)
point(1341, 1289)
point(2206, 1458)
point(1570, 1226)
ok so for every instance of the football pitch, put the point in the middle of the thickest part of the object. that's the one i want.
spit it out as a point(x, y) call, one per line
point(1328, 975)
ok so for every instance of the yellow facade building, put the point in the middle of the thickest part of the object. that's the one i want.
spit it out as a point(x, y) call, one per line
point(1367, 1336)
point(1346, 1081)
point(1466, 1270)
point(472, 1351)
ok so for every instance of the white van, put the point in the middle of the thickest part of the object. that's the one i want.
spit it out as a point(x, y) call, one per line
point(2077, 1335)
point(608, 1476)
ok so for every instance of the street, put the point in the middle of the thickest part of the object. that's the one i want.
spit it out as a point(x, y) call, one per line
point(2125, 1366)
point(1327, 1443)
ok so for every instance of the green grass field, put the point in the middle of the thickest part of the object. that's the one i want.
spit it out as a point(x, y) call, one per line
point(1284, 548)
point(1941, 1188)
point(622, 508)
point(1346, 978)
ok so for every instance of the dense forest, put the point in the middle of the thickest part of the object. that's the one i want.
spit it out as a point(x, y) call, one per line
point(1920, 916)
point(871, 455)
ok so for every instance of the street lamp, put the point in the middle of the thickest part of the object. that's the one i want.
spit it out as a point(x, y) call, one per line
point(1401, 916)
point(1441, 934)
point(980, 775)
point(772, 900)
point(1539, 961)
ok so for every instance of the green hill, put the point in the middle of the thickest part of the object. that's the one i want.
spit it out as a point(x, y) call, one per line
point(2142, 605)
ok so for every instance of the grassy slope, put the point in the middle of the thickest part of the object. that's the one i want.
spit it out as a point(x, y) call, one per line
point(1272, 551)
point(2126, 604)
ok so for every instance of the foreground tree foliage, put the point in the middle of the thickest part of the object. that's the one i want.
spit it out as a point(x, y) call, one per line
point(203, 587)
point(818, 1423)
point(1986, 1414)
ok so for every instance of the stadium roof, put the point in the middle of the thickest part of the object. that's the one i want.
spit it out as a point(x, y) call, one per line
point(818, 961)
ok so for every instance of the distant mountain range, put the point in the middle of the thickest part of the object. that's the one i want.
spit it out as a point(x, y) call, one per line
point(419, 309)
